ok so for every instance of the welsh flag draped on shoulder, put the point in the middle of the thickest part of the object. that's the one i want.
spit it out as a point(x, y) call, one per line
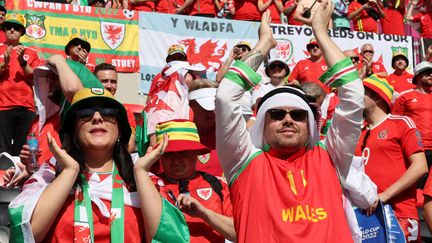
point(172, 226)
point(169, 95)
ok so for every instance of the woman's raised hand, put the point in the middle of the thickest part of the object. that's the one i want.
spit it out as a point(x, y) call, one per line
point(152, 155)
point(63, 158)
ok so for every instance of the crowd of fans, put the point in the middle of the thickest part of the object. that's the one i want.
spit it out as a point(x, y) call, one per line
point(388, 17)
point(241, 158)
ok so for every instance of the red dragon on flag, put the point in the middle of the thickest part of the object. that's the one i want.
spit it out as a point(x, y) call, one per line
point(208, 54)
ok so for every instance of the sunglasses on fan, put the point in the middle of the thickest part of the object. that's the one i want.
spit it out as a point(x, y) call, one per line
point(297, 115)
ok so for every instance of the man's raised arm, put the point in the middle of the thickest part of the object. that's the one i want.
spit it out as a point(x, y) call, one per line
point(345, 129)
point(233, 141)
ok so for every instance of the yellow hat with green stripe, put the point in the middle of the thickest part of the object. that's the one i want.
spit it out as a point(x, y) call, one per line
point(183, 136)
point(381, 87)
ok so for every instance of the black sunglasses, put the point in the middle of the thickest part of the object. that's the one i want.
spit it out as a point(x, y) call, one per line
point(108, 114)
point(243, 48)
point(312, 46)
point(355, 59)
point(368, 51)
point(276, 65)
point(16, 27)
point(297, 115)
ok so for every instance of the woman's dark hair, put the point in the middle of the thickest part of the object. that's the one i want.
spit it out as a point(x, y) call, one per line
point(121, 156)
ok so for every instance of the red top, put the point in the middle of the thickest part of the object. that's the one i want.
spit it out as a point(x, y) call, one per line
point(418, 107)
point(377, 67)
point(203, 7)
point(362, 22)
point(16, 87)
point(289, 194)
point(246, 10)
point(62, 230)
point(274, 13)
point(201, 190)
point(425, 20)
point(144, 6)
point(291, 20)
point(168, 6)
point(209, 163)
point(392, 23)
point(2, 36)
point(386, 153)
point(402, 82)
point(308, 71)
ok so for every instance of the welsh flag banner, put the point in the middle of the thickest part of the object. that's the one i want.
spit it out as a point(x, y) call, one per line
point(112, 33)
point(170, 99)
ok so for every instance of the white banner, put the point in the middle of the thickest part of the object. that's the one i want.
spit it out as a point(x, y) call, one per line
point(208, 42)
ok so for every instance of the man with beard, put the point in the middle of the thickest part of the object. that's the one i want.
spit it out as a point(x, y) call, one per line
point(310, 69)
point(285, 185)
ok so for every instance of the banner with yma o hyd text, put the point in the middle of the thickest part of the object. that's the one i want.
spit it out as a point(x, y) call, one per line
point(208, 42)
point(112, 33)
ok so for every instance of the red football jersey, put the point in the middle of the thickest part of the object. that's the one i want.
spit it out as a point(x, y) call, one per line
point(392, 23)
point(362, 22)
point(386, 149)
point(377, 67)
point(209, 163)
point(16, 87)
point(246, 10)
point(425, 20)
point(201, 190)
point(308, 71)
point(203, 7)
point(274, 13)
point(401, 83)
point(289, 194)
point(291, 20)
point(418, 107)
point(62, 229)
point(143, 6)
point(168, 6)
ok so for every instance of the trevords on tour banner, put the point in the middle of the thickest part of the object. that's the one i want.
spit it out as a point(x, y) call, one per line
point(208, 42)
point(112, 33)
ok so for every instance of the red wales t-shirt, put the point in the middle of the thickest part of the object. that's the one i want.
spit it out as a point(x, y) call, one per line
point(425, 20)
point(201, 190)
point(392, 23)
point(377, 67)
point(418, 107)
point(401, 83)
point(308, 71)
point(15, 86)
point(246, 10)
point(203, 7)
point(387, 148)
point(168, 6)
point(298, 199)
point(274, 13)
point(291, 20)
point(362, 22)
point(144, 6)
